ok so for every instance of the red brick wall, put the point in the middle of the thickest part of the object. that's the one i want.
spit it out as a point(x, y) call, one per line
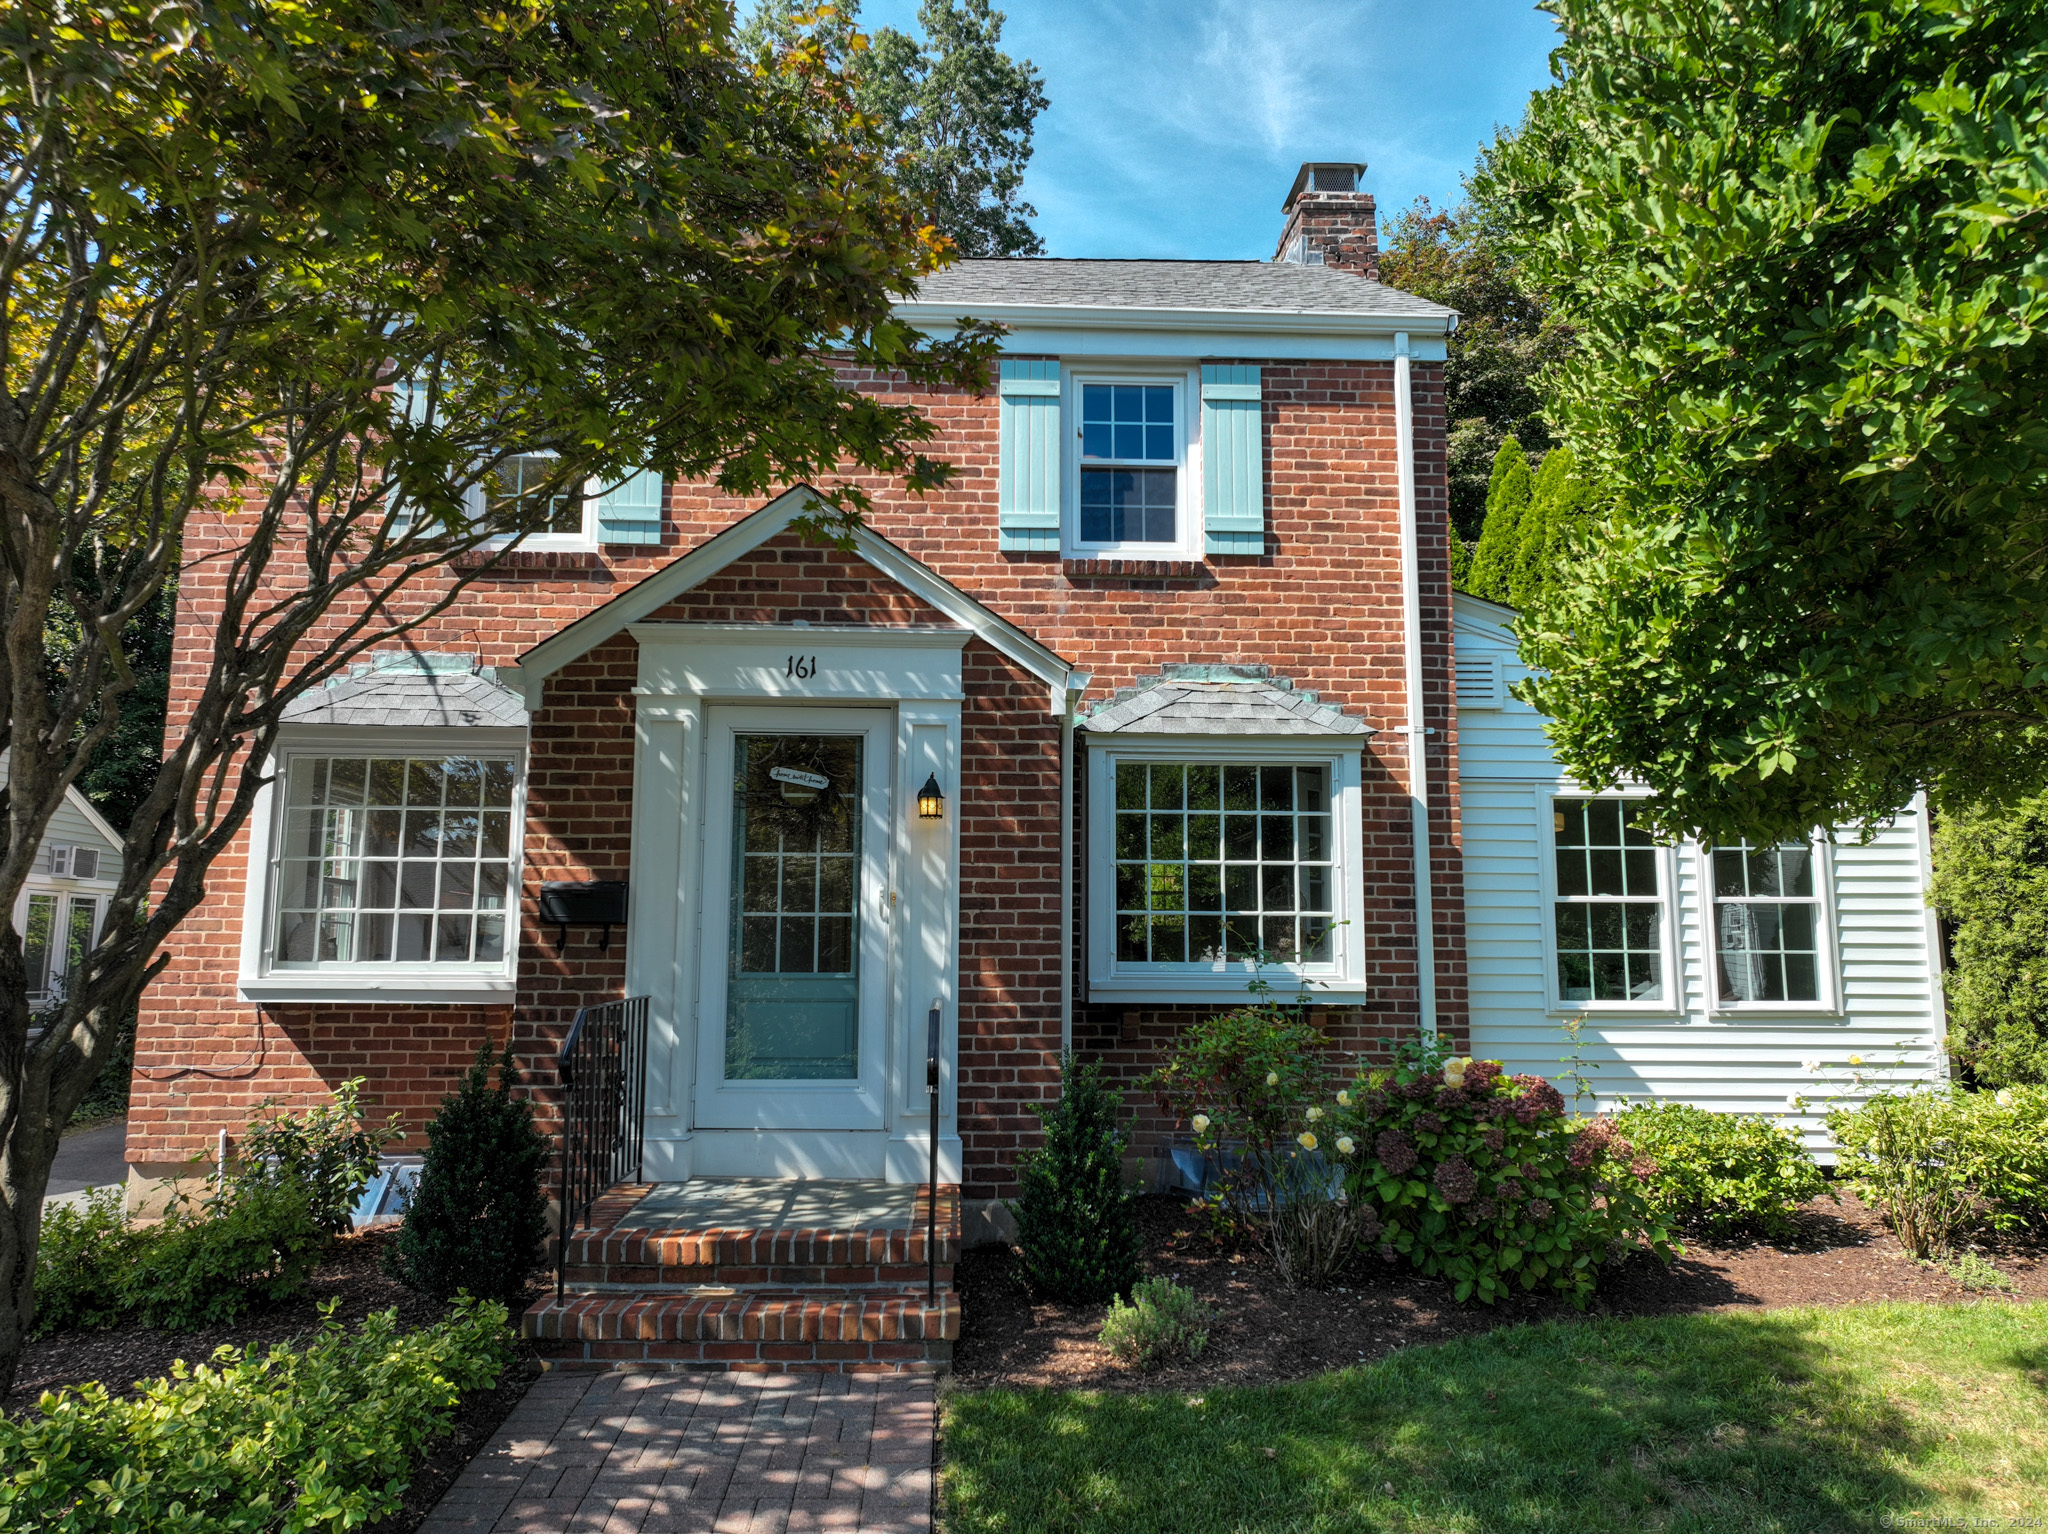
point(1321, 606)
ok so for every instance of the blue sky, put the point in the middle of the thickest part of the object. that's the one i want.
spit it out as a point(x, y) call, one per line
point(1176, 125)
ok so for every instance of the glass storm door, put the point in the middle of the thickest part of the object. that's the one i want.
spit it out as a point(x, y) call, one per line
point(794, 958)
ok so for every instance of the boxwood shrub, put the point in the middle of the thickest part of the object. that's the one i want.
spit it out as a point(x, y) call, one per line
point(1722, 1174)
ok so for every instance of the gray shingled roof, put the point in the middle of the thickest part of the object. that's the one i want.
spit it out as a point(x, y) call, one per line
point(412, 690)
point(1250, 286)
point(1219, 700)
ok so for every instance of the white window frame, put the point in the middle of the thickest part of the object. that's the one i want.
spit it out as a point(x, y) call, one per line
point(583, 541)
point(99, 891)
point(1672, 1003)
point(1343, 978)
point(1187, 513)
point(1827, 962)
point(472, 983)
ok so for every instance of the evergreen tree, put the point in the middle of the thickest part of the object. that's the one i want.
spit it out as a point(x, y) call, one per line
point(1500, 538)
point(1073, 1211)
point(477, 1220)
point(1544, 539)
point(1991, 882)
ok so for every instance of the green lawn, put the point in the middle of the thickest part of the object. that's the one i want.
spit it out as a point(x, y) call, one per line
point(1809, 1419)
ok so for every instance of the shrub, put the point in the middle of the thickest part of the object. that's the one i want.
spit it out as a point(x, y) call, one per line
point(1940, 1165)
point(1991, 880)
point(251, 1249)
point(83, 1261)
point(477, 1219)
point(1244, 1079)
point(1312, 1225)
point(1719, 1173)
point(1073, 1211)
point(328, 1152)
point(1162, 1320)
point(1483, 1179)
point(324, 1438)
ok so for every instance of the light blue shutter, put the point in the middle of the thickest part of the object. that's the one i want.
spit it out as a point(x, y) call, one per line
point(632, 512)
point(1028, 432)
point(1233, 461)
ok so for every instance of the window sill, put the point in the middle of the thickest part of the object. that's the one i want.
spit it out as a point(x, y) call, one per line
point(1232, 984)
point(1087, 568)
point(340, 989)
point(520, 560)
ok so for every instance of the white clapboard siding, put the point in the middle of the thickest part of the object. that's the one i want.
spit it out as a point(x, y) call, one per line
point(78, 824)
point(1751, 1061)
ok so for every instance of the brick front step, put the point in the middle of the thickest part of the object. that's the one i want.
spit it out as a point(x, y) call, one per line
point(793, 1330)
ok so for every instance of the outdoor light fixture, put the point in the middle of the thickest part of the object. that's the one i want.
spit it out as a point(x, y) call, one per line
point(931, 804)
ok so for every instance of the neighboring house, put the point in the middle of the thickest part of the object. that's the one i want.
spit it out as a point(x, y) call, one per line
point(59, 911)
point(1713, 975)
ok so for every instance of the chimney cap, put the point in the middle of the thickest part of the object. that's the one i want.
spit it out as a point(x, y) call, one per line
point(1324, 176)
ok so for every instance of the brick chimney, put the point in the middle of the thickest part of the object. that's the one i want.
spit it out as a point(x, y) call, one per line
point(1329, 220)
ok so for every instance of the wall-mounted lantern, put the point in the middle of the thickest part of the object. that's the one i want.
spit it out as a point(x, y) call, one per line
point(931, 804)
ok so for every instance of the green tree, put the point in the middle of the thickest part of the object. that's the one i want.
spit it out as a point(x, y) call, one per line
point(1491, 574)
point(1991, 881)
point(1800, 247)
point(322, 267)
point(1505, 335)
point(956, 112)
point(1073, 1211)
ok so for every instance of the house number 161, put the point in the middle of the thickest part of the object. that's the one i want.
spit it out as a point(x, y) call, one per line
point(800, 666)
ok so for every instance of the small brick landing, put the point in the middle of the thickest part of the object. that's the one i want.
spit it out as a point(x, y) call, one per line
point(794, 1277)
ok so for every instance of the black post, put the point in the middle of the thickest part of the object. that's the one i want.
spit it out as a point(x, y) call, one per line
point(931, 1087)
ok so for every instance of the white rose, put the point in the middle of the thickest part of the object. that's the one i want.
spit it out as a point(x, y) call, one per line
point(1343, 1099)
point(1201, 1123)
point(1813, 1067)
point(1344, 1145)
point(1314, 1114)
point(1305, 1140)
point(1272, 1078)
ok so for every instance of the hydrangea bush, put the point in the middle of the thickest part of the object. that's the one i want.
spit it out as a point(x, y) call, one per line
point(1484, 1179)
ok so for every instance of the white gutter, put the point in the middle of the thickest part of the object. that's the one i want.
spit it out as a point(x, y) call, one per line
point(1415, 729)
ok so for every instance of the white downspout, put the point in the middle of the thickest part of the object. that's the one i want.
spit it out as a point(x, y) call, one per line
point(1077, 685)
point(1415, 729)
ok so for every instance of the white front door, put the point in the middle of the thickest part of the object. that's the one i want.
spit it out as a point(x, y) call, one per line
point(794, 972)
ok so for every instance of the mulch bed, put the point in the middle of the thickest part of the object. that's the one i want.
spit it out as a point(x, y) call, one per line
point(352, 1275)
point(1265, 1332)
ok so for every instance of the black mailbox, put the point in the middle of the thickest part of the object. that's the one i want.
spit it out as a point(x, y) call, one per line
point(566, 903)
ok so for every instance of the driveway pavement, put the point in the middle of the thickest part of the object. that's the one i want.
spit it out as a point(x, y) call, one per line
point(91, 1158)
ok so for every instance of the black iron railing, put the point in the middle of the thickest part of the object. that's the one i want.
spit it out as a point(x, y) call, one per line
point(603, 1066)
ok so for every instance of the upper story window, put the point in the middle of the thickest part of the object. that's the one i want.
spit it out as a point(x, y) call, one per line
point(1098, 460)
point(1609, 911)
point(385, 861)
point(510, 498)
point(1768, 927)
point(1130, 457)
point(1132, 492)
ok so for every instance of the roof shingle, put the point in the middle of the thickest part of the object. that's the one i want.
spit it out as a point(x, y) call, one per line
point(1274, 287)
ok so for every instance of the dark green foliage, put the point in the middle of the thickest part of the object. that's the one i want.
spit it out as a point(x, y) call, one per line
point(1506, 333)
point(1491, 573)
point(1073, 1211)
point(252, 1250)
point(1991, 881)
point(244, 1250)
point(954, 112)
point(477, 1220)
point(1721, 1174)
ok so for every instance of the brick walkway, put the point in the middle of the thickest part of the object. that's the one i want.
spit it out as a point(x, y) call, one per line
point(678, 1453)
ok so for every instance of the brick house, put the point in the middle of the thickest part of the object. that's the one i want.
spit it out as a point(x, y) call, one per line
point(1193, 564)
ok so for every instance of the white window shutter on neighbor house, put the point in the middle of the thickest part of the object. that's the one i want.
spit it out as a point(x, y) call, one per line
point(1233, 461)
point(632, 512)
point(1028, 429)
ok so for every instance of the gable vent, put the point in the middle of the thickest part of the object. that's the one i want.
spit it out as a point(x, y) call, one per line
point(1480, 681)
